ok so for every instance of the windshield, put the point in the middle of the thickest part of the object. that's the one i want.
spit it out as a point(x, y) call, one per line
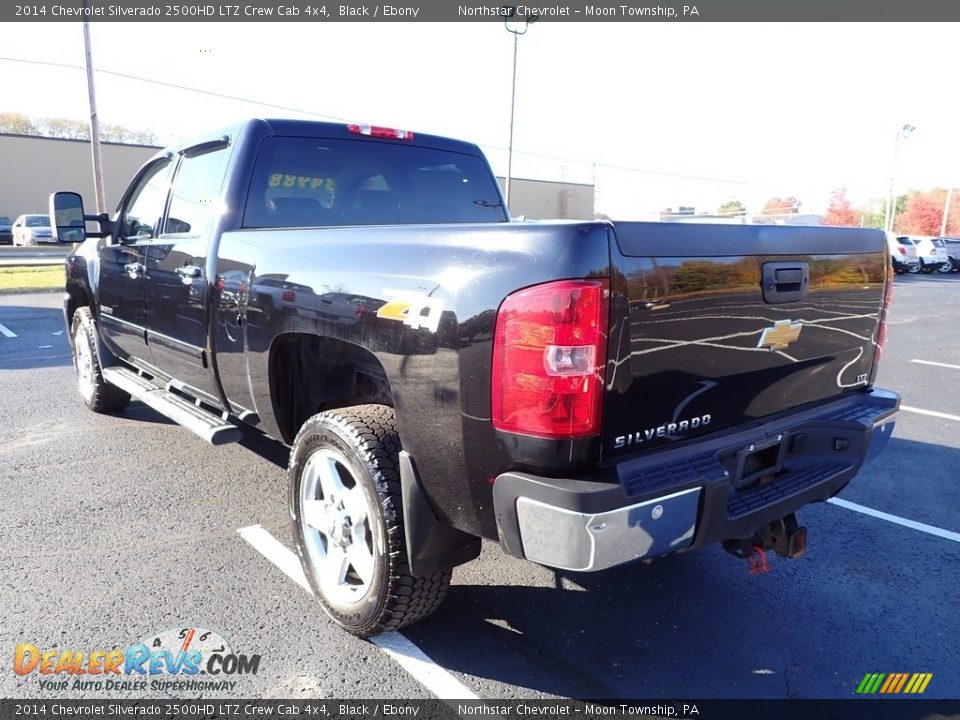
point(300, 182)
point(37, 221)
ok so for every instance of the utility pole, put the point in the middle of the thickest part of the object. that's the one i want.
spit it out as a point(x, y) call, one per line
point(101, 197)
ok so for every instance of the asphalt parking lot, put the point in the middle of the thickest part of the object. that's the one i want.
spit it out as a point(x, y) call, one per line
point(114, 528)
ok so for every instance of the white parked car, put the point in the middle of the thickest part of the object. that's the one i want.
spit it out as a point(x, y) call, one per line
point(932, 253)
point(903, 254)
point(32, 230)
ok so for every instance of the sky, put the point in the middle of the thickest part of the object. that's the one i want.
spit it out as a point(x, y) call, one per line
point(655, 114)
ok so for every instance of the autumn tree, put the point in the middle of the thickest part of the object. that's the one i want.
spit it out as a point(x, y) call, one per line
point(872, 213)
point(64, 128)
point(840, 211)
point(732, 208)
point(923, 214)
point(16, 123)
point(781, 206)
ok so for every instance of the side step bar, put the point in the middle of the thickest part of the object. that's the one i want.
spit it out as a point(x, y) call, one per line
point(212, 428)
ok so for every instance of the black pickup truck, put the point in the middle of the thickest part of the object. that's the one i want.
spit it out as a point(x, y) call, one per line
point(587, 394)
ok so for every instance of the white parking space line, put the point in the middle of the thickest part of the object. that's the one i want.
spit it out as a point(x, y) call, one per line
point(912, 524)
point(931, 413)
point(397, 647)
point(277, 553)
point(6, 332)
point(424, 670)
point(935, 364)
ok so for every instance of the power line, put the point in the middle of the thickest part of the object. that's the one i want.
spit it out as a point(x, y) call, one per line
point(176, 86)
point(287, 108)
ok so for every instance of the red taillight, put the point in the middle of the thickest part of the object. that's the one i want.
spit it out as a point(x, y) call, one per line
point(219, 284)
point(288, 296)
point(380, 132)
point(882, 329)
point(360, 311)
point(903, 250)
point(549, 353)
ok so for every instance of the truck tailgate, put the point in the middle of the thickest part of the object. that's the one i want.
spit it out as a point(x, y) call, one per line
point(713, 326)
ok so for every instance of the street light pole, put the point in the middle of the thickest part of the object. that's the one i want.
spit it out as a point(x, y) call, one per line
point(904, 133)
point(527, 22)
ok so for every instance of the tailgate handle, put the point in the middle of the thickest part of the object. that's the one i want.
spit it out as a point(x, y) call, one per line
point(784, 282)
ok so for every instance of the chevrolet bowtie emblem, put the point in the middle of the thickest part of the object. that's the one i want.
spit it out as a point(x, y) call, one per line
point(780, 335)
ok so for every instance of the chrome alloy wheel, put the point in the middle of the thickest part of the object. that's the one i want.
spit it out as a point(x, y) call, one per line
point(84, 363)
point(336, 527)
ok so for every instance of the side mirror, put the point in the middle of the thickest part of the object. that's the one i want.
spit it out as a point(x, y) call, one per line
point(66, 216)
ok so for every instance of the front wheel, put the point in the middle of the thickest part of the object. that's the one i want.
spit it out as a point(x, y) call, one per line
point(99, 395)
point(947, 267)
point(914, 268)
point(348, 521)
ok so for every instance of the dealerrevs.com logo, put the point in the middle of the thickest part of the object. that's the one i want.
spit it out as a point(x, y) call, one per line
point(198, 658)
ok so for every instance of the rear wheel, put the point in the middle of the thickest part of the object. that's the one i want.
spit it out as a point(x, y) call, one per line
point(913, 268)
point(99, 395)
point(348, 521)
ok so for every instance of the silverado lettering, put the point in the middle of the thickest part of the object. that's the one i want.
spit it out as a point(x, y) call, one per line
point(662, 431)
point(443, 374)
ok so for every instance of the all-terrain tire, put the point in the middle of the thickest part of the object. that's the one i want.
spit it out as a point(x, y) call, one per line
point(342, 459)
point(98, 395)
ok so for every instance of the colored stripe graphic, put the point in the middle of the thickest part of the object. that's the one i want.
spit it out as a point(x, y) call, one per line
point(892, 679)
point(903, 681)
point(870, 683)
point(894, 683)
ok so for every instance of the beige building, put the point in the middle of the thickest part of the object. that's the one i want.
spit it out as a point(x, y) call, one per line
point(33, 167)
point(545, 200)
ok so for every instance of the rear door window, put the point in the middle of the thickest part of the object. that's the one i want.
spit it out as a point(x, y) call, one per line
point(300, 182)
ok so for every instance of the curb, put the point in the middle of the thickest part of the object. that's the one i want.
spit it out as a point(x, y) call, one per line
point(31, 291)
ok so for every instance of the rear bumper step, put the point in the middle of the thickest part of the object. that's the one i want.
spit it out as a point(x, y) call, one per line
point(207, 425)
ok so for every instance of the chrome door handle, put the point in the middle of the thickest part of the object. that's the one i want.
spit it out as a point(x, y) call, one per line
point(133, 269)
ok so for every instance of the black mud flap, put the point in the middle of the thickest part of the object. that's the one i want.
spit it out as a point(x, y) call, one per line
point(431, 544)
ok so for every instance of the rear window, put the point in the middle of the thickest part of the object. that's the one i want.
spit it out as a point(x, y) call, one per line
point(300, 182)
point(36, 221)
point(905, 241)
point(938, 243)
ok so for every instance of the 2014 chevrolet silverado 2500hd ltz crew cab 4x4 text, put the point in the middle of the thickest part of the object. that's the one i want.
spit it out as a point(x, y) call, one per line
point(586, 394)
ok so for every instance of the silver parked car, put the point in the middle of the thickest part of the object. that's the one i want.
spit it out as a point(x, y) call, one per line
point(953, 254)
point(32, 230)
